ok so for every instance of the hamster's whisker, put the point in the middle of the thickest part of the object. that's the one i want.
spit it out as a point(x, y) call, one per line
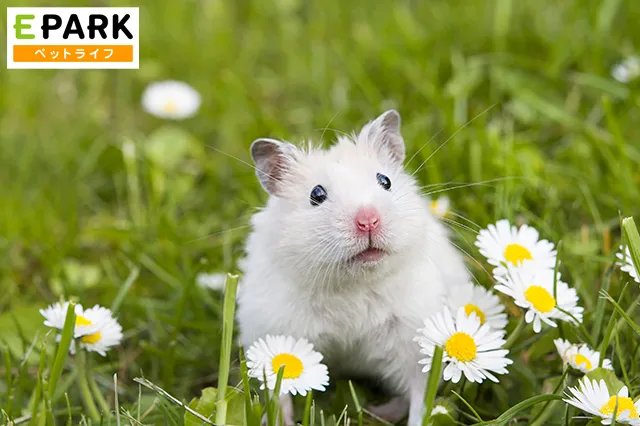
point(451, 137)
point(424, 145)
point(318, 264)
point(467, 185)
point(445, 142)
point(450, 222)
point(454, 213)
point(243, 162)
point(467, 254)
point(215, 234)
point(328, 124)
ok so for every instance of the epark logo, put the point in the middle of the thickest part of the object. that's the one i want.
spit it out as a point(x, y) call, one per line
point(72, 37)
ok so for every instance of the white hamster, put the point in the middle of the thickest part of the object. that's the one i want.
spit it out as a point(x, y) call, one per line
point(347, 254)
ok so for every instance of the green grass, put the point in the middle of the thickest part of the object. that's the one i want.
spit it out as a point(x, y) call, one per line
point(558, 148)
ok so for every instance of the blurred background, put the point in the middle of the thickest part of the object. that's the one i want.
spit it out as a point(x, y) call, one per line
point(537, 101)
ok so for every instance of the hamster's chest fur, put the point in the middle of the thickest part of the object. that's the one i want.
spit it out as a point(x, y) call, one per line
point(361, 330)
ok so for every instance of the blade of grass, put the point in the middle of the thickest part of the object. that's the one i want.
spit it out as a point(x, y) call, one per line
point(622, 312)
point(633, 239)
point(116, 403)
point(547, 410)
point(307, 409)
point(63, 348)
point(9, 381)
point(469, 406)
point(600, 309)
point(508, 415)
point(83, 384)
point(606, 338)
point(37, 394)
point(356, 402)
point(621, 363)
point(163, 393)
point(432, 384)
point(99, 398)
point(250, 419)
point(274, 403)
point(69, 415)
point(124, 289)
point(228, 315)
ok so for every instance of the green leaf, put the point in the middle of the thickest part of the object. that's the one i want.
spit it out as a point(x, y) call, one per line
point(28, 319)
point(613, 384)
point(206, 405)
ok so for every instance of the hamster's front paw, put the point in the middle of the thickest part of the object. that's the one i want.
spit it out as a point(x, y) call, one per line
point(392, 411)
point(285, 410)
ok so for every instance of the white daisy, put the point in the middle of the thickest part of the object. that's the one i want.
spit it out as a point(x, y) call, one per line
point(532, 289)
point(55, 314)
point(440, 206)
point(626, 263)
point(211, 281)
point(627, 70)
point(503, 243)
point(171, 99)
point(95, 329)
point(469, 348)
point(108, 331)
point(581, 356)
point(594, 398)
point(484, 303)
point(302, 368)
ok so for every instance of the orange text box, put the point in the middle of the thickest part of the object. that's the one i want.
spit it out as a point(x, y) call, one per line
point(74, 53)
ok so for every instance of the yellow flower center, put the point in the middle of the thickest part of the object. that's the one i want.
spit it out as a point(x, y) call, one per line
point(292, 365)
point(80, 321)
point(461, 347)
point(582, 360)
point(469, 308)
point(624, 404)
point(90, 338)
point(169, 106)
point(516, 254)
point(540, 298)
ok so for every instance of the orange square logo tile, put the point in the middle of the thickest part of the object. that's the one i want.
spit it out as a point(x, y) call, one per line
point(72, 38)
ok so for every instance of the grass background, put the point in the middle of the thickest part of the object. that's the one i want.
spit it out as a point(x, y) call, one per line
point(559, 148)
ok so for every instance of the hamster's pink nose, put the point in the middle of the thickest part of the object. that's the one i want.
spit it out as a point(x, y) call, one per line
point(367, 219)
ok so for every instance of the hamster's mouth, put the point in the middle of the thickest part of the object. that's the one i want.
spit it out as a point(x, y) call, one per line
point(370, 255)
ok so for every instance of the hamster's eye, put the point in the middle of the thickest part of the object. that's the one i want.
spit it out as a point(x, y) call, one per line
point(318, 195)
point(384, 181)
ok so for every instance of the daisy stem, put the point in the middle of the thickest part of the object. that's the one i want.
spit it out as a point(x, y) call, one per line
point(432, 384)
point(515, 334)
point(228, 314)
point(95, 390)
point(85, 391)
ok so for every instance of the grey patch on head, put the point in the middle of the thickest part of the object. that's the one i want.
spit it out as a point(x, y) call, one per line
point(384, 133)
point(272, 159)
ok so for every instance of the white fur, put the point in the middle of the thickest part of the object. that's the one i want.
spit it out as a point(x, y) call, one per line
point(297, 280)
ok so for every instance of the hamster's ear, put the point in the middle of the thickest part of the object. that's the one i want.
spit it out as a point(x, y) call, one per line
point(383, 134)
point(272, 159)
